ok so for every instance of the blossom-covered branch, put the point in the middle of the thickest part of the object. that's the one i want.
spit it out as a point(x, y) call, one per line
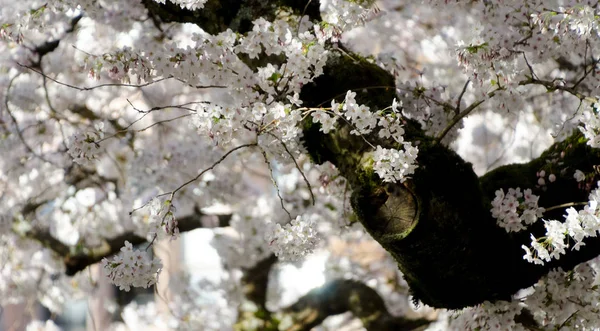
point(78, 258)
point(216, 16)
point(438, 224)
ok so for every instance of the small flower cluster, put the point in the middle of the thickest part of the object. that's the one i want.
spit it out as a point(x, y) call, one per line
point(499, 315)
point(541, 177)
point(577, 226)
point(341, 15)
point(294, 240)
point(83, 147)
point(515, 208)
point(560, 300)
point(186, 4)
point(162, 215)
point(361, 117)
point(548, 247)
point(390, 124)
point(391, 165)
point(132, 268)
point(394, 165)
point(581, 21)
point(567, 300)
point(417, 105)
point(590, 125)
point(121, 65)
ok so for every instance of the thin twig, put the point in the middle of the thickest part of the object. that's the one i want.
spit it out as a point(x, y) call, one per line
point(565, 205)
point(297, 167)
point(460, 96)
point(17, 129)
point(264, 153)
point(211, 167)
point(459, 117)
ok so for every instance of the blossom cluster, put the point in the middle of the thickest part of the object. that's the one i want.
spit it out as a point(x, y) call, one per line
point(390, 164)
point(186, 4)
point(83, 147)
point(341, 15)
point(560, 300)
point(394, 165)
point(293, 240)
point(567, 299)
point(515, 209)
point(590, 125)
point(120, 65)
point(580, 21)
point(577, 226)
point(499, 315)
point(162, 219)
point(132, 268)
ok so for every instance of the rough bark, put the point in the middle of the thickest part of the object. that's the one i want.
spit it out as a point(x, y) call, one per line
point(438, 225)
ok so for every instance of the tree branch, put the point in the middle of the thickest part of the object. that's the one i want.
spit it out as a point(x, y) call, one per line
point(237, 15)
point(255, 281)
point(437, 225)
point(78, 258)
point(340, 296)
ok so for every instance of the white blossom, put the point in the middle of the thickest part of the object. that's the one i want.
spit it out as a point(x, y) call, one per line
point(515, 209)
point(132, 268)
point(294, 240)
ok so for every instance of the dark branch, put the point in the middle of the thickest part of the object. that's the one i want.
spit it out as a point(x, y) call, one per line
point(437, 225)
point(237, 15)
point(78, 258)
point(340, 296)
point(50, 46)
point(255, 281)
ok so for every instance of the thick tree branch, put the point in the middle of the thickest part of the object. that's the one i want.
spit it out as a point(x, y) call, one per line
point(50, 46)
point(237, 15)
point(255, 281)
point(78, 258)
point(340, 296)
point(438, 225)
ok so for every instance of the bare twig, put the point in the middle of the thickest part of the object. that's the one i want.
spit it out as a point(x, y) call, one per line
point(312, 195)
point(264, 154)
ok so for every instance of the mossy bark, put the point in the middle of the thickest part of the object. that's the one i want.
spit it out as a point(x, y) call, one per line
point(438, 225)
